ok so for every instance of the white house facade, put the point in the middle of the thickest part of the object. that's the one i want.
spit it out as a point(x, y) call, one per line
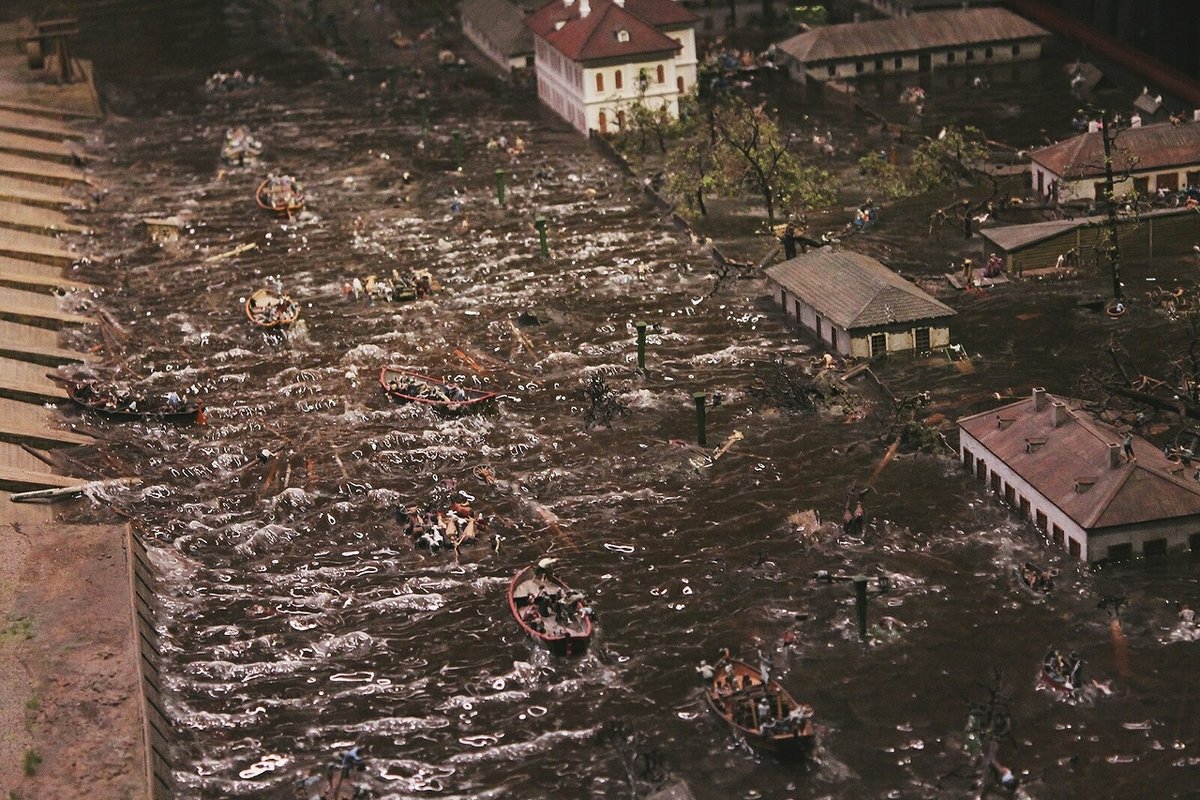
point(1066, 473)
point(595, 59)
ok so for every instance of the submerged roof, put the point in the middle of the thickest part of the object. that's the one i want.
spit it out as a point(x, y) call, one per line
point(928, 31)
point(597, 35)
point(1059, 461)
point(855, 291)
point(503, 23)
point(1149, 147)
point(1015, 237)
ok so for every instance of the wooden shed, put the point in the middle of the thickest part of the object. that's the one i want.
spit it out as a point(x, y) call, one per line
point(1164, 232)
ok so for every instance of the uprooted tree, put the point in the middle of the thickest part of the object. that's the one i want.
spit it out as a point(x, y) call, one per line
point(603, 405)
point(793, 388)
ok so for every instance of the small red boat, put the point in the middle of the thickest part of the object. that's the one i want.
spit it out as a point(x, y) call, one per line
point(736, 693)
point(282, 194)
point(550, 611)
point(121, 404)
point(405, 386)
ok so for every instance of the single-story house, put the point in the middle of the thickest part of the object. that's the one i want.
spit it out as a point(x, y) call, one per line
point(1065, 471)
point(916, 43)
point(1161, 156)
point(857, 306)
point(497, 28)
point(1037, 245)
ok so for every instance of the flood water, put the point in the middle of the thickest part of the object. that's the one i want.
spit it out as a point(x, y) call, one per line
point(297, 619)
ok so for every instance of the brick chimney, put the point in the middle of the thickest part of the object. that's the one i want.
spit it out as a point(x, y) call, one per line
point(1039, 398)
point(1058, 414)
point(1114, 455)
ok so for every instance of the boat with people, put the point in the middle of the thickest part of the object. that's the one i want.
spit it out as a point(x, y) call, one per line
point(282, 194)
point(1062, 673)
point(1035, 578)
point(119, 402)
point(762, 713)
point(549, 611)
point(240, 148)
point(267, 309)
point(406, 386)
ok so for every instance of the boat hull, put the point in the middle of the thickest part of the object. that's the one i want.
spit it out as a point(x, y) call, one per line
point(574, 643)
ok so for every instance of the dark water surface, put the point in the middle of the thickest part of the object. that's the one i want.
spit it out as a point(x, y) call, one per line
point(299, 620)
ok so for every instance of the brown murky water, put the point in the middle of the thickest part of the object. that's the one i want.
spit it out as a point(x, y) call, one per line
point(298, 619)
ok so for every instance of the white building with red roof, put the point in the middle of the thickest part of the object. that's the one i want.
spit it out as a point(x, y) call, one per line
point(1067, 473)
point(597, 58)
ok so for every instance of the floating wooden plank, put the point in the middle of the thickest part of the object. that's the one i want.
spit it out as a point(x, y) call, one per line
point(13, 479)
point(37, 169)
point(35, 276)
point(32, 308)
point(35, 193)
point(19, 216)
point(37, 147)
point(34, 247)
point(32, 125)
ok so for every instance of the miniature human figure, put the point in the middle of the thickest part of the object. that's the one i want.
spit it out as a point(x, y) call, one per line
point(1187, 615)
point(1127, 447)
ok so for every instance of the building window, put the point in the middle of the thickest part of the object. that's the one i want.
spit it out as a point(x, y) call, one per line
point(1073, 548)
point(950, 57)
point(1152, 548)
point(996, 483)
point(832, 70)
point(1167, 180)
point(618, 79)
point(968, 459)
point(621, 120)
point(1193, 179)
point(878, 344)
point(1024, 505)
point(987, 53)
point(1039, 519)
point(622, 35)
point(921, 340)
point(603, 123)
point(679, 83)
point(879, 65)
point(1016, 49)
point(599, 81)
point(1119, 552)
point(1058, 535)
point(1194, 543)
point(898, 63)
point(1010, 495)
point(662, 74)
point(970, 55)
point(858, 66)
point(981, 470)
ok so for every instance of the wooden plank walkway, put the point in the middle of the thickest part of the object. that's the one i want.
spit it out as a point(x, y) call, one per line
point(35, 345)
point(37, 169)
point(34, 247)
point(36, 193)
point(32, 308)
point(20, 480)
point(28, 383)
point(37, 147)
point(35, 276)
point(33, 125)
point(36, 220)
point(22, 423)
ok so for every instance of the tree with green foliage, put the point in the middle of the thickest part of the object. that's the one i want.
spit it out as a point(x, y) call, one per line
point(752, 154)
point(953, 157)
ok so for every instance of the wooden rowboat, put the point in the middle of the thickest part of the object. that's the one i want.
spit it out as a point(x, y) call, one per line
point(1035, 578)
point(405, 386)
point(269, 310)
point(281, 195)
point(550, 612)
point(120, 405)
point(1062, 674)
point(735, 693)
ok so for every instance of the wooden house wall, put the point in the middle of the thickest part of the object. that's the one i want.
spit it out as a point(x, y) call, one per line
point(1167, 235)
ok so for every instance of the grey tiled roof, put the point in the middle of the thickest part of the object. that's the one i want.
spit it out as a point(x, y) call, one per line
point(929, 31)
point(504, 23)
point(855, 291)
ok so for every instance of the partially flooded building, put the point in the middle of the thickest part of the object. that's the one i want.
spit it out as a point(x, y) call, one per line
point(1163, 156)
point(497, 28)
point(917, 43)
point(1066, 472)
point(595, 59)
point(857, 306)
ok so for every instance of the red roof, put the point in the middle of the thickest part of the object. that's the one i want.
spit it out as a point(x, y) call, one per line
point(596, 35)
point(1153, 146)
point(1059, 461)
point(661, 13)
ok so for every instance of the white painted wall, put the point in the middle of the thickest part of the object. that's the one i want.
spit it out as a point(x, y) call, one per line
point(1086, 189)
point(911, 62)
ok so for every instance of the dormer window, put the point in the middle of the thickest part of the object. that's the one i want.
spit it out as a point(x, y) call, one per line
point(622, 35)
